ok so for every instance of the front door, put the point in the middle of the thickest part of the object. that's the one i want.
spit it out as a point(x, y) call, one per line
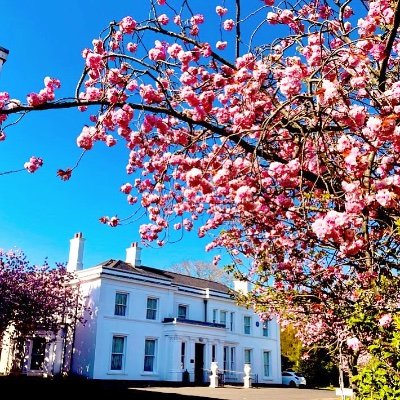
point(38, 353)
point(199, 363)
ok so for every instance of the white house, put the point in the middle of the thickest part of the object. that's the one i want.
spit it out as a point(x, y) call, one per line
point(156, 325)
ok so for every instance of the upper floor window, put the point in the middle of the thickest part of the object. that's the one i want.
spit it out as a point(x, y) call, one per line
point(215, 316)
point(247, 325)
point(265, 329)
point(222, 317)
point(117, 353)
point(182, 311)
point(121, 302)
point(150, 355)
point(152, 305)
point(232, 322)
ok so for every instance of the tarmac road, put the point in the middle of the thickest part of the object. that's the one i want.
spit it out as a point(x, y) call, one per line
point(239, 393)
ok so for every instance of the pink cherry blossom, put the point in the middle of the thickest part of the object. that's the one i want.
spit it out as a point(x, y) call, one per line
point(353, 344)
point(163, 19)
point(229, 24)
point(128, 25)
point(33, 164)
point(385, 321)
point(221, 45)
point(221, 11)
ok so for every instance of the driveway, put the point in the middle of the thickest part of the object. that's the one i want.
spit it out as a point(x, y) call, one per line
point(239, 393)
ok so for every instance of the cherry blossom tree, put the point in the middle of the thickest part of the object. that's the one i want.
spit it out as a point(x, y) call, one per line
point(283, 151)
point(35, 298)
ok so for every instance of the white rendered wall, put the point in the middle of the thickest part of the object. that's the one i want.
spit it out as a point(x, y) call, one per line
point(169, 336)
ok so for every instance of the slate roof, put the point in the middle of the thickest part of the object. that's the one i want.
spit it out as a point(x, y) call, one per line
point(175, 278)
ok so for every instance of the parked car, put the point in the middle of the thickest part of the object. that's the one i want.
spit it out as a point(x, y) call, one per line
point(293, 379)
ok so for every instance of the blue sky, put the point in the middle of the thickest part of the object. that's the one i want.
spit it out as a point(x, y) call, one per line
point(38, 212)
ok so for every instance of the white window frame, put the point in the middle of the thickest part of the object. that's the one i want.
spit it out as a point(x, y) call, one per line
point(232, 322)
point(154, 356)
point(232, 358)
point(213, 352)
point(120, 304)
point(183, 354)
point(223, 320)
point(226, 359)
point(250, 358)
point(265, 328)
point(152, 310)
point(42, 355)
point(186, 310)
point(215, 316)
point(268, 365)
point(245, 326)
point(123, 354)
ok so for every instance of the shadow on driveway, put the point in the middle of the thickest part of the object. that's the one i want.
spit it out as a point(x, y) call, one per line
point(38, 388)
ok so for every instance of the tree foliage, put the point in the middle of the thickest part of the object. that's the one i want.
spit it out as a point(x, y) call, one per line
point(203, 270)
point(35, 298)
point(291, 348)
point(285, 151)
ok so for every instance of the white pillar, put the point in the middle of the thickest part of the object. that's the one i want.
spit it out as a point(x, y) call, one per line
point(173, 359)
point(75, 260)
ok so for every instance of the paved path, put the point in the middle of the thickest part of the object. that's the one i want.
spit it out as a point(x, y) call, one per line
point(239, 393)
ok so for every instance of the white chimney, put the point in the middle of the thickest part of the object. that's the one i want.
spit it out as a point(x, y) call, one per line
point(133, 255)
point(241, 286)
point(76, 253)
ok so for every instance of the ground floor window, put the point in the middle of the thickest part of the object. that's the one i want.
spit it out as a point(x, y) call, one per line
point(229, 358)
point(38, 353)
point(150, 355)
point(267, 361)
point(117, 353)
point(247, 356)
point(183, 354)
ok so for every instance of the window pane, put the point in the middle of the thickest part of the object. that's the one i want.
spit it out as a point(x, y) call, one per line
point(222, 317)
point(182, 311)
point(265, 329)
point(149, 347)
point(118, 344)
point(117, 352)
point(38, 353)
point(226, 358)
point(151, 308)
point(121, 300)
point(183, 352)
point(247, 324)
point(266, 363)
point(247, 356)
point(149, 354)
point(116, 362)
